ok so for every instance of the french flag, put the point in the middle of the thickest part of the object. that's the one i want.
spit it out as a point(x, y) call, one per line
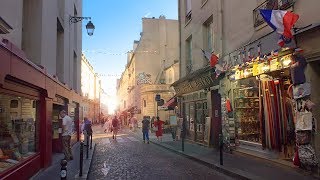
point(280, 21)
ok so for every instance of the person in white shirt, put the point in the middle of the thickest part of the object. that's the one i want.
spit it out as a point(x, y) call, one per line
point(67, 130)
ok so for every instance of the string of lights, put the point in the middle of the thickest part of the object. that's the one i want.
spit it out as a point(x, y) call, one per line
point(117, 54)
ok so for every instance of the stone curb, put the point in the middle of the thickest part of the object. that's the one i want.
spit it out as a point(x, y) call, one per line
point(235, 173)
point(216, 167)
point(87, 163)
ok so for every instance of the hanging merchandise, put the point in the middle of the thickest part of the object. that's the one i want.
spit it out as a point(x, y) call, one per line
point(301, 90)
point(303, 137)
point(228, 105)
point(297, 69)
point(307, 155)
point(273, 114)
point(304, 120)
point(296, 160)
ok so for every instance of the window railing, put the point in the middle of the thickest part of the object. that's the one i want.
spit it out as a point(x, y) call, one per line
point(270, 4)
point(188, 17)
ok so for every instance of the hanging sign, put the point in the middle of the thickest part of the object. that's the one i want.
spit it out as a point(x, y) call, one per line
point(274, 65)
point(255, 69)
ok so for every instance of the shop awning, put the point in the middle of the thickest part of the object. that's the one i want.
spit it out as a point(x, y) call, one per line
point(171, 103)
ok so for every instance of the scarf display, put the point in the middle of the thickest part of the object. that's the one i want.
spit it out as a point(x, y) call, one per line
point(273, 114)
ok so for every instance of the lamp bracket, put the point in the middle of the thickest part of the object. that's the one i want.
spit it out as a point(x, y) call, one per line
point(75, 19)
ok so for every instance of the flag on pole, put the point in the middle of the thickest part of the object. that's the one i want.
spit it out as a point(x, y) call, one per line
point(259, 49)
point(211, 57)
point(280, 21)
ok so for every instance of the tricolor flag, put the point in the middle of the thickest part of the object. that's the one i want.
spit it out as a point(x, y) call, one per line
point(281, 42)
point(280, 21)
point(259, 49)
point(210, 57)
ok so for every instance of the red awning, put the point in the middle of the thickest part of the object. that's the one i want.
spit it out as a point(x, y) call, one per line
point(171, 103)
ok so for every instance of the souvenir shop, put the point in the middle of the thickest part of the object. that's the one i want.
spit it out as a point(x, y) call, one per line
point(266, 107)
point(194, 104)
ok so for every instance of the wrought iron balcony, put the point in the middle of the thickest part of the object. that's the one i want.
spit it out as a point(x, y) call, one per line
point(270, 4)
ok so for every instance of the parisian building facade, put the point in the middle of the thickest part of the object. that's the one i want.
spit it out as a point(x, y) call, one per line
point(152, 66)
point(236, 103)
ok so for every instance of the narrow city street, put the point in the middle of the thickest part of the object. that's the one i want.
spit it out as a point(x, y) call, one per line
point(129, 158)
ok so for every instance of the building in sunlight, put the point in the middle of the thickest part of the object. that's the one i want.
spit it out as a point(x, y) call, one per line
point(152, 66)
point(90, 90)
point(40, 52)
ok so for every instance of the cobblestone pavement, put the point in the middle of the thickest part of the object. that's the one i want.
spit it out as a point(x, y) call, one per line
point(129, 158)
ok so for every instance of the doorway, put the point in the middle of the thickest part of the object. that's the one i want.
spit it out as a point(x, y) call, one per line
point(215, 129)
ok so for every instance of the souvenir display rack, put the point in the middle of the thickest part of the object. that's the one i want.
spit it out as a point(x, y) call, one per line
point(246, 105)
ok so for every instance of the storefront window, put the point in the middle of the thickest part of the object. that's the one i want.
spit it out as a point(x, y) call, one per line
point(246, 99)
point(19, 131)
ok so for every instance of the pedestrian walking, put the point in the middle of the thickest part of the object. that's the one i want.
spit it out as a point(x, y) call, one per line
point(115, 127)
point(86, 129)
point(67, 131)
point(145, 129)
point(159, 125)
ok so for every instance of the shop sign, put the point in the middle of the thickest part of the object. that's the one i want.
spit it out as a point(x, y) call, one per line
point(194, 84)
point(59, 100)
point(275, 65)
point(255, 69)
point(162, 107)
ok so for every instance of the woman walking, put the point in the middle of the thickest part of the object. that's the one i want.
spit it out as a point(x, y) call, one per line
point(115, 127)
point(158, 124)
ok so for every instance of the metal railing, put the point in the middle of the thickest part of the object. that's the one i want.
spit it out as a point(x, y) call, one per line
point(270, 4)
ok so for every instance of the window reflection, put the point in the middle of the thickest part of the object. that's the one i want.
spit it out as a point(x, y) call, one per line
point(18, 129)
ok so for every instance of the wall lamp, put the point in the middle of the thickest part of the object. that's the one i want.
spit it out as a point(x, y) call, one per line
point(90, 27)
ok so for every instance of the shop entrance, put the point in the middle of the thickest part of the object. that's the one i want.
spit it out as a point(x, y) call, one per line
point(216, 118)
point(200, 117)
point(56, 128)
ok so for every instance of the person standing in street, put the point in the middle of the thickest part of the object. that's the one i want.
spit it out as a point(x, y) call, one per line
point(86, 129)
point(158, 124)
point(145, 129)
point(115, 127)
point(67, 130)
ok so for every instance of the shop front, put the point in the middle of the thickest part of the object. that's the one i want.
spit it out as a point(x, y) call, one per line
point(262, 105)
point(20, 127)
point(29, 108)
point(195, 104)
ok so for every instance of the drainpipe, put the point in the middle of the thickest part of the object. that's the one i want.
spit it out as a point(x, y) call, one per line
point(220, 15)
point(179, 24)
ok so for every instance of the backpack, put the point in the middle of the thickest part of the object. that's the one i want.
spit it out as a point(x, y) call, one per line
point(88, 128)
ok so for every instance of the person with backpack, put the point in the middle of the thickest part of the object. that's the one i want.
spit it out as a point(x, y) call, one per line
point(115, 127)
point(86, 129)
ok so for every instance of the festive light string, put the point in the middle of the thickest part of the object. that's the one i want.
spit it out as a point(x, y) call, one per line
point(117, 54)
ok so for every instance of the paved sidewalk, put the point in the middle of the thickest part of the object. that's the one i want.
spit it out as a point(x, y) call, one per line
point(53, 172)
point(235, 165)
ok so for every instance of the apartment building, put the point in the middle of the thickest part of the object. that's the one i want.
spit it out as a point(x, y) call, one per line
point(145, 74)
point(40, 53)
point(230, 104)
point(91, 91)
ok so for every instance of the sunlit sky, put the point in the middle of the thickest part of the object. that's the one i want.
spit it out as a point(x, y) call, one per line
point(118, 23)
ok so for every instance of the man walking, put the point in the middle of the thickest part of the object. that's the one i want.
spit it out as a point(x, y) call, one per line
point(145, 129)
point(67, 123)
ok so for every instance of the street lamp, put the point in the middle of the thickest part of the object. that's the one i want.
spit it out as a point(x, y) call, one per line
point(90, 27)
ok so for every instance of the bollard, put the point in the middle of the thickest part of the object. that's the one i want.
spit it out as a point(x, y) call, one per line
point(63, 172)
point(91, 141)
point(87, 146)
point(221, 148)
point(81, 158)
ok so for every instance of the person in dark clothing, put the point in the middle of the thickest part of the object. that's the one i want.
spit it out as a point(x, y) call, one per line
point(145, 129)
point(115, 127)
